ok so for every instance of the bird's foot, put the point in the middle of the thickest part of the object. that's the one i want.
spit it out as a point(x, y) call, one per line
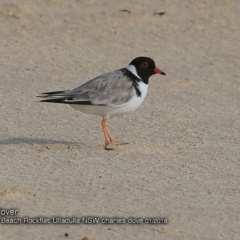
point(119, 143)
point(110, 144)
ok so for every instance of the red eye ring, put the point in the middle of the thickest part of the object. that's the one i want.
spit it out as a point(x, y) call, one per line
point(144, 64)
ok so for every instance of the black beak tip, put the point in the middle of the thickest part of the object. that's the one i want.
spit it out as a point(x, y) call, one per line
point(163, 73)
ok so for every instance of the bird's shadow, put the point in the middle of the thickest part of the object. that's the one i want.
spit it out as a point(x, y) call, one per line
point(38, 141)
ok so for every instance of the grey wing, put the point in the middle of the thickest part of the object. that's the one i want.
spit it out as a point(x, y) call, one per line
point(111, 89)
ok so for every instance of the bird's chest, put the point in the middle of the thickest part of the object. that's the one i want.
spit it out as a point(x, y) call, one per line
point(139, 94)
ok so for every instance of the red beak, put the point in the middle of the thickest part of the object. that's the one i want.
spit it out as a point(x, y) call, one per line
point(157, 70)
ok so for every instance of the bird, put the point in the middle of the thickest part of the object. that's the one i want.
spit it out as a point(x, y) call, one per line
point(111, 94)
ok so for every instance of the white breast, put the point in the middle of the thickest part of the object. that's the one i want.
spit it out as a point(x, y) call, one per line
point(134, 102)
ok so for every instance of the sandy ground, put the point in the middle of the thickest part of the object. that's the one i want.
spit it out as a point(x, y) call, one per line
point(183, 160)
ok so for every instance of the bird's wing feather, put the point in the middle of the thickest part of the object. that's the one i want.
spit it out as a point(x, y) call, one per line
point(111, 89)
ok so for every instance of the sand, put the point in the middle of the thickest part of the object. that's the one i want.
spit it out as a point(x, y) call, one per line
point(183, 157)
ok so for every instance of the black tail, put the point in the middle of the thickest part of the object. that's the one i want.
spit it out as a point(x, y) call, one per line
point(48, 94)
point(55, 100)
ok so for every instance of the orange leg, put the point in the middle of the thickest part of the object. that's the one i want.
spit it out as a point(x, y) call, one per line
point(105, 131)
point(107, 135)
point(110, 136)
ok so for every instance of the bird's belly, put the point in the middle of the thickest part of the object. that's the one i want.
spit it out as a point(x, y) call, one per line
point(105, 111)
point(130, 106)
point(93, 109)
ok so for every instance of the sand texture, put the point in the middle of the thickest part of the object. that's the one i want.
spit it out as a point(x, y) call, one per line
point(183, 157)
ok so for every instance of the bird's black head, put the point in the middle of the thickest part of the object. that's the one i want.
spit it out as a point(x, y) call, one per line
point(145, 68)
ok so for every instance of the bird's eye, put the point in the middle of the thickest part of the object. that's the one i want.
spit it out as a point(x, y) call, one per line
point(144, 64)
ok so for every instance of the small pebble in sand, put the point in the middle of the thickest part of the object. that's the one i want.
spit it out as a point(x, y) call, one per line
point(125, 10)
point(159, 13)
